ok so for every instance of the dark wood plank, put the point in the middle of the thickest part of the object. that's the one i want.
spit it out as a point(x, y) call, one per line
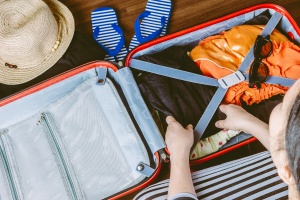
point(185, 13)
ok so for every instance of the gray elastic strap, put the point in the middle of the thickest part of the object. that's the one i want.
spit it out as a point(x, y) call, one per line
point(272, 23)
point(102, 73)
point(267, 31)
point(276, 80)
point(173, 73)
point(280, 80)
point(145, 169)
point(208, 113)
point(191, 77)
point(219, 95)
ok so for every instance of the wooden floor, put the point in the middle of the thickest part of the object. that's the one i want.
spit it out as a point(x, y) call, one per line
point(185, 14)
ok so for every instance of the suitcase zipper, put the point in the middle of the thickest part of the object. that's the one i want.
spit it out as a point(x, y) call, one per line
point(7, 170)
point(126, 114)
point(164, 156)
point(70, 183)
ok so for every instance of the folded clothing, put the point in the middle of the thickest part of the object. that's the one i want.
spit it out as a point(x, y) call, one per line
point(184, 100)
point(212, 143)
point(80, 51)
point(221, 55)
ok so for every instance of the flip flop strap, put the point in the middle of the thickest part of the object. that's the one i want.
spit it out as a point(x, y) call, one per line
point(120, 44)
point(137, 28)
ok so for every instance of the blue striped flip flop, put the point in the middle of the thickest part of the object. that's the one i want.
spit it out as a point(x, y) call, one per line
point(152, 23)
point(108, 33)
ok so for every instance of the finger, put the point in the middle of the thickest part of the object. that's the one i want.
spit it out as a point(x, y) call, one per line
point(220, 124)
point(189, 127)
point(170, 119)
point(223, 108)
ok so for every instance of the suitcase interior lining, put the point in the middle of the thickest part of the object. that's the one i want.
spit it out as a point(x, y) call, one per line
point(5, 194)
point(58, 152)
point(139, 109)
point(193, 38)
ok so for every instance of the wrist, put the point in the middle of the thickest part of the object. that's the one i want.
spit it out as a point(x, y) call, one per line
point(257, 128)
point(249, 124)
point(180, 156)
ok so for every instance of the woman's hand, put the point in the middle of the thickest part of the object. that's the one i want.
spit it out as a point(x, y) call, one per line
point(237, 118)
point(179, 142)
point(178, 139)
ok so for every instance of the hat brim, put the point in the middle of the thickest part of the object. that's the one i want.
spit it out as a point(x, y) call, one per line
point(64, 17)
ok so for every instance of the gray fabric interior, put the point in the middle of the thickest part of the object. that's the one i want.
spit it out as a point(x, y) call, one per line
point(30, 105)
point(90, 130)
point(5, 194)
point(192, 38)
point(139, 109)
point(33, 165)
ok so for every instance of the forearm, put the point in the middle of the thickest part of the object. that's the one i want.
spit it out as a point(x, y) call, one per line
point(258, 129)
point(180, 178)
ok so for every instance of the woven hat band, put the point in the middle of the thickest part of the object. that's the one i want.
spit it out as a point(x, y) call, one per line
point(34, 35)
point(28, 30)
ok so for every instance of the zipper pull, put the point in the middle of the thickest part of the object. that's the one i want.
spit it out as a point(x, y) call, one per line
point(120, 63)
point(164, 156)
point(102, 73)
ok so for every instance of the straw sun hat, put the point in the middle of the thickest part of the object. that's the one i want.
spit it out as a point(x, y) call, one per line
point(34, 34)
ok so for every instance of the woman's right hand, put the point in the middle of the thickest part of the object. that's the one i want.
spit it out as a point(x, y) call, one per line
point(179, 140)
point(237, 118)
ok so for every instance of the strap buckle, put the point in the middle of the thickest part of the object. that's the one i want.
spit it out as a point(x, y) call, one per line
point(231, 79)
point(102, 73)
point(145, 169)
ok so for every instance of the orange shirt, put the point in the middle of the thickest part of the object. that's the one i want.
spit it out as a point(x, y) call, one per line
point(220, 55)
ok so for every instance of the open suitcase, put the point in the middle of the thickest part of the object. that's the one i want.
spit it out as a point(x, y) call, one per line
point(72, 137)
point(88, 134)
point(191, 37)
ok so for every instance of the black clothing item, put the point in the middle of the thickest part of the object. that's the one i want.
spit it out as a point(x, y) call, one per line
point(185, 101)
point(80, 51)
point(260, 19)
point(263, 109)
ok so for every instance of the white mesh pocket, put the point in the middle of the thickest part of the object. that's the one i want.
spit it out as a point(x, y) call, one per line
point(88, 136)
point(5, 191)
point(34, 170)
point(83, 146)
